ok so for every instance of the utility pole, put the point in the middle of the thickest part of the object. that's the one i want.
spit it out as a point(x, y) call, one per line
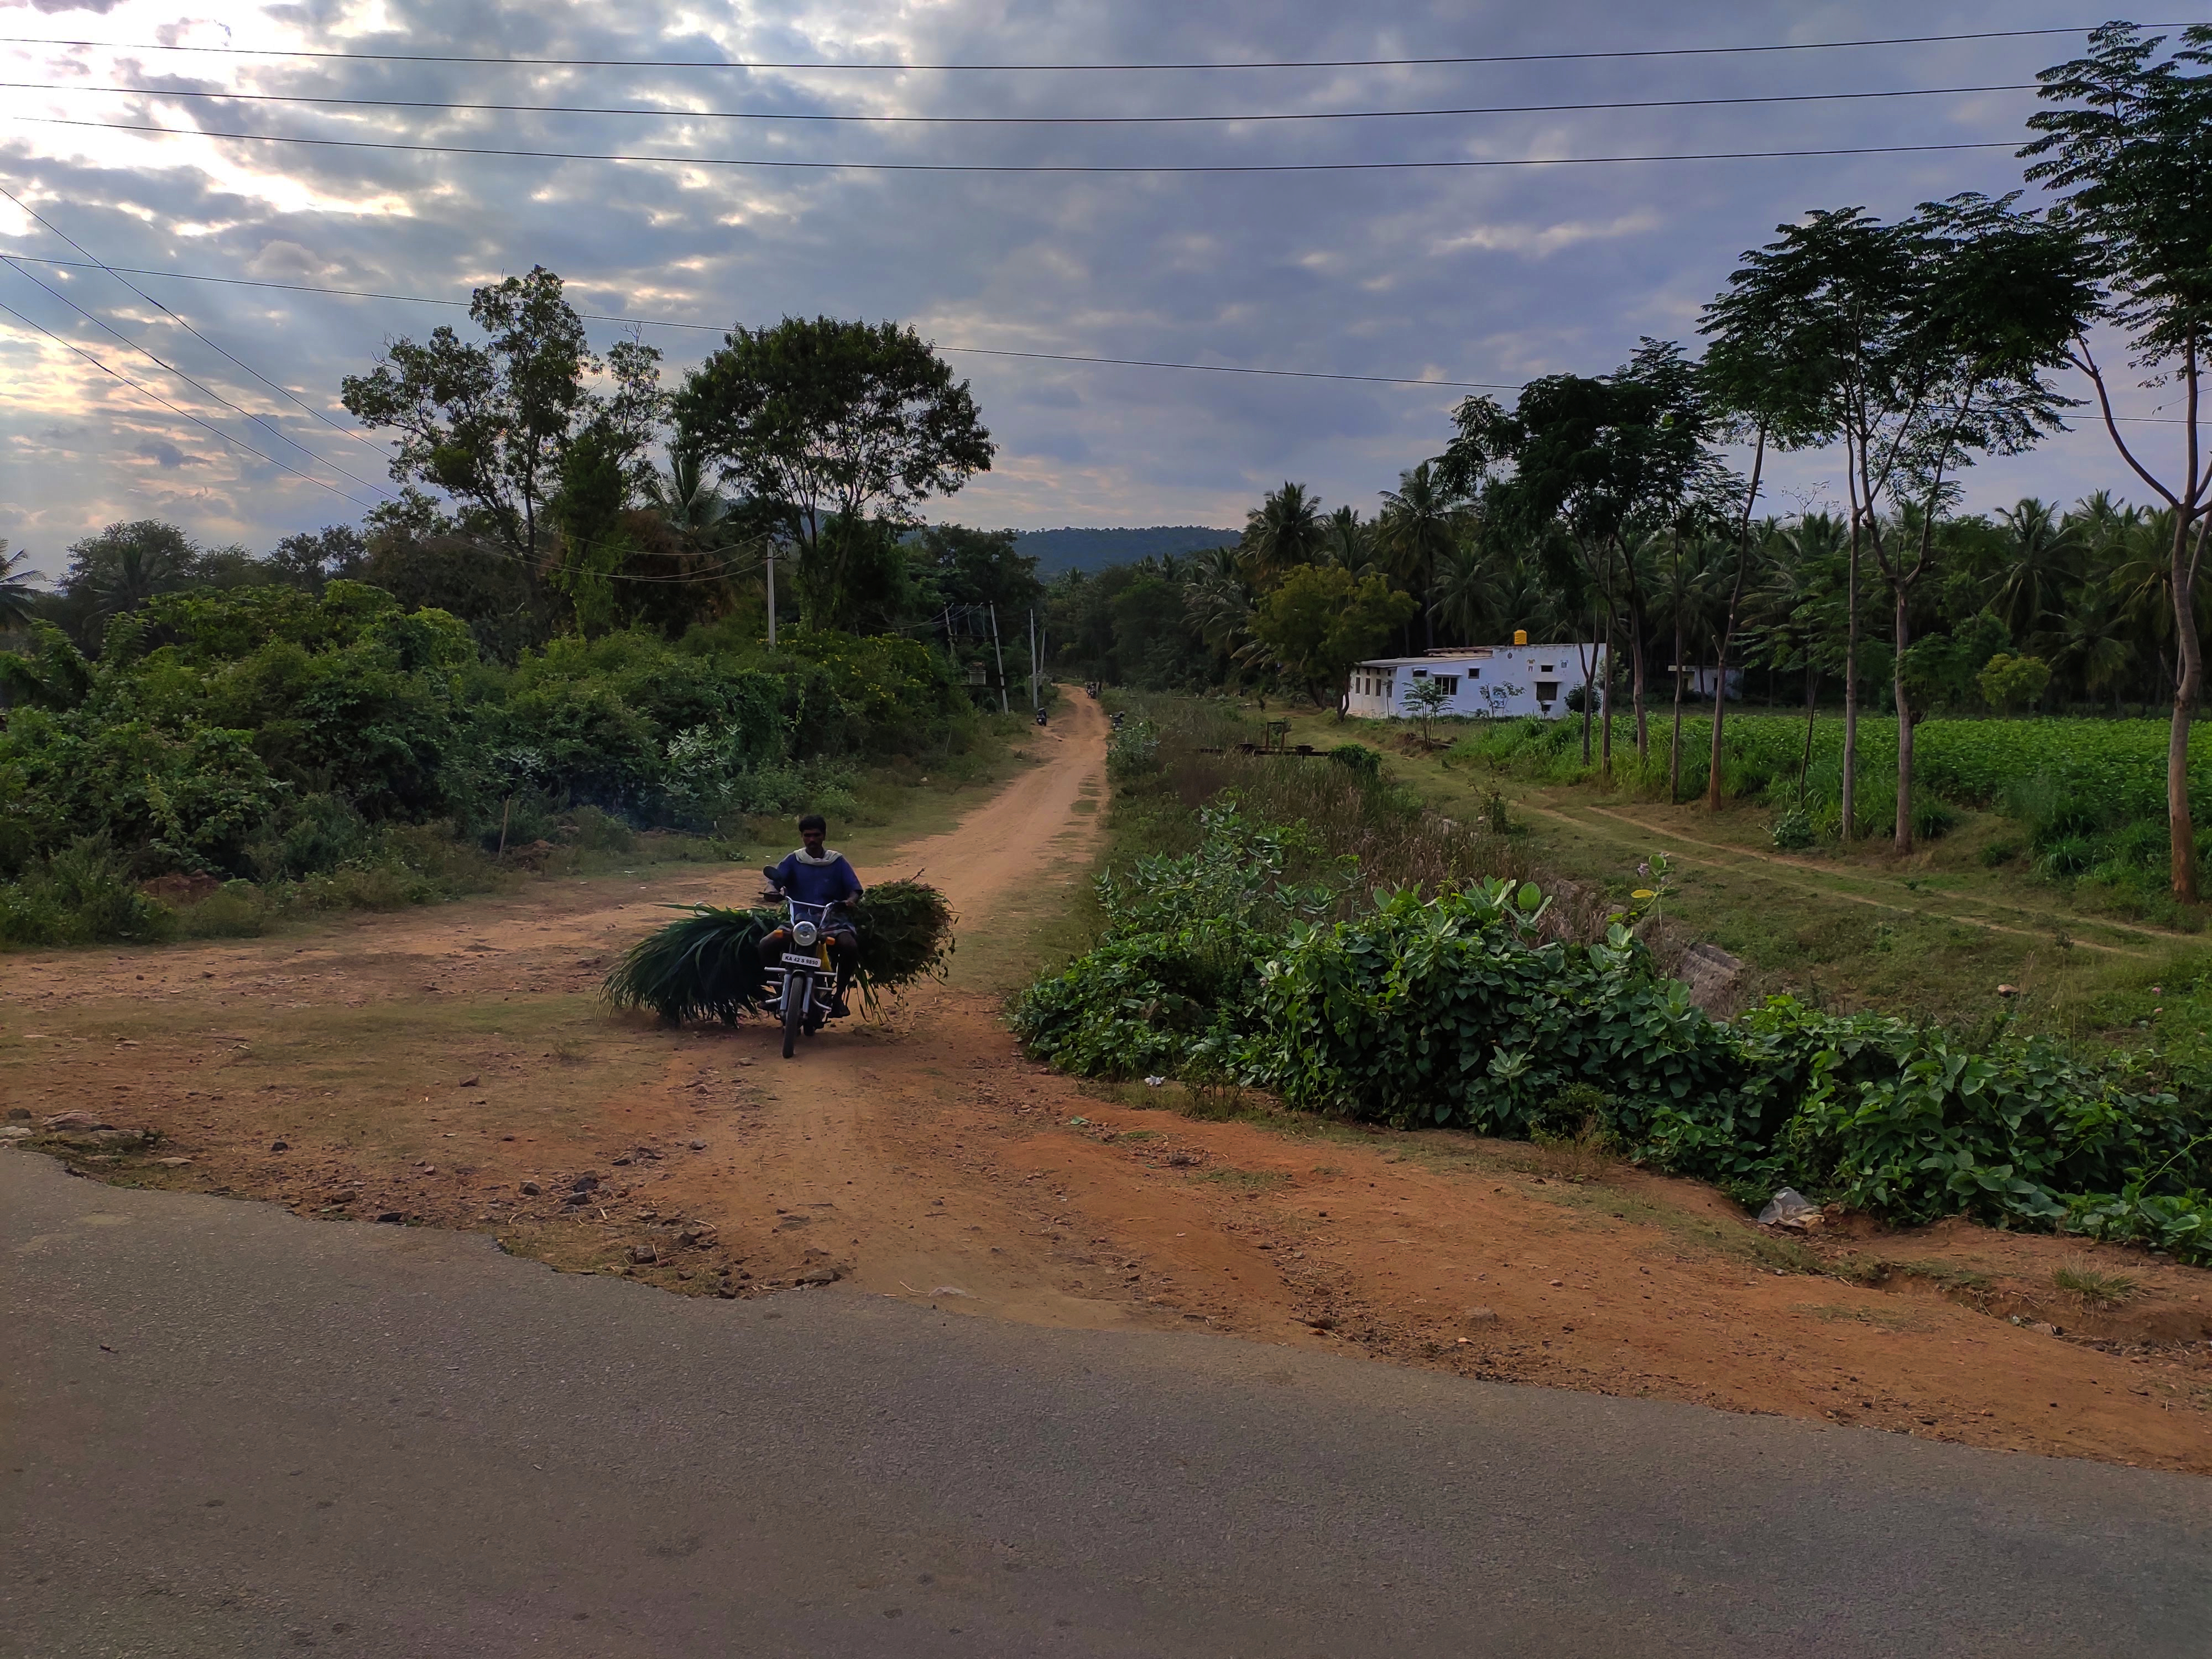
point(771, 596)
point(1033, 659)
point(1004, 708)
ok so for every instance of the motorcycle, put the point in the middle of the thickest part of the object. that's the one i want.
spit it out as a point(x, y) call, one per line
point(802, 981)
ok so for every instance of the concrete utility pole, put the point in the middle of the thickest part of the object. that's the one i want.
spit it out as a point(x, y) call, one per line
point(1004, 707)
point(1033, 661)
point(771, 596)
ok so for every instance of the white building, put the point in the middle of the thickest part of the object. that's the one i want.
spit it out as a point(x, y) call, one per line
point(1499, 680)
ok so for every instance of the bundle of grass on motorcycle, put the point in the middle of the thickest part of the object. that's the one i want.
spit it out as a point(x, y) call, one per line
point(717, 963)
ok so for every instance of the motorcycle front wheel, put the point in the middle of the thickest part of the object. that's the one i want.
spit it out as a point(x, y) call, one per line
point(794, 1011)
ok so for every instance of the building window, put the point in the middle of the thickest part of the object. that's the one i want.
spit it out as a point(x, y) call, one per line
point(1475, 673)
point(1547, 691)
point(1450, 683)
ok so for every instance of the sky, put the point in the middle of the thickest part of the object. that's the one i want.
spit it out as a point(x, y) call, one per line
point(1489, 274)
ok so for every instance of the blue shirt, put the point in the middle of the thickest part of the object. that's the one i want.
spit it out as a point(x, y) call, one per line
point(818, 883)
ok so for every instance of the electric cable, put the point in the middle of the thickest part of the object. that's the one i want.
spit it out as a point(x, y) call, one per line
point(1254, 118)
point(187, 414)
point(784, 164)
point(180, 322)
point(1615, 54)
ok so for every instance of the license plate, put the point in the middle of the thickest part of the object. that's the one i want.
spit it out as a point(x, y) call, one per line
point(792, 959)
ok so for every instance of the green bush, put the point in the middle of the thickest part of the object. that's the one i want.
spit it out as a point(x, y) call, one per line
point(1456, 1010)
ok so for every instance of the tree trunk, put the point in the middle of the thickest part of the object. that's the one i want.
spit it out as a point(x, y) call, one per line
point(1851, 676)
point(1675, 745)
point(2181, 833)
point(1812, 698)
point(1636, 687)
point(1903, 831)
point(1605, 700)
point(1589, 691)
point(1727, 632)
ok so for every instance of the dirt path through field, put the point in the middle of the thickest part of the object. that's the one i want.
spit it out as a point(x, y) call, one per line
point(451, 1067)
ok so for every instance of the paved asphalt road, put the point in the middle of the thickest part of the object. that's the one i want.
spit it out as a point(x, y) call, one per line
point(228, 1431)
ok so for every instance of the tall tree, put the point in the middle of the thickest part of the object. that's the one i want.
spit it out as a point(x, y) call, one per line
point(1991, 297)
point(492, 425)
point(2129, 141)
point(833, 421)
point(1592, 456)
point(1286, 530)
point(1757, 388)
point(18, 599)
point(1422, 521)
point(1321, 621)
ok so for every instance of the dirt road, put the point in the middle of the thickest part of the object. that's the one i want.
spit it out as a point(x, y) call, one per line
point(451, 1068)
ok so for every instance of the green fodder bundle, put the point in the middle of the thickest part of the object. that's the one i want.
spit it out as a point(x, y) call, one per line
point(707, 964)
point(906, 934)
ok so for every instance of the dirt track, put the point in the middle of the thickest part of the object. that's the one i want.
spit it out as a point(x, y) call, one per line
point(451, 1067)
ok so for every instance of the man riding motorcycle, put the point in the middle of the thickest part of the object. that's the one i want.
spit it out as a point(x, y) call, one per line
point(815, 874)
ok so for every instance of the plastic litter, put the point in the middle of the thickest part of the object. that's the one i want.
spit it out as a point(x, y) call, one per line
point(1788, 1208)
point(1155, 1083)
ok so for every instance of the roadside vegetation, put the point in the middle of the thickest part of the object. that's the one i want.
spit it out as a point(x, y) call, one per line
point(559, 645)
point(1302, 926)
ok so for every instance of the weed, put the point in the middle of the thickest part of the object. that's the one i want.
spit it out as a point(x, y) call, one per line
point(1250, 1181)
point(1786, 1254)
point(2097, 1288)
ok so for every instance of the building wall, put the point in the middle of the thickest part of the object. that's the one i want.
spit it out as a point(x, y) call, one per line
point(1505, 682)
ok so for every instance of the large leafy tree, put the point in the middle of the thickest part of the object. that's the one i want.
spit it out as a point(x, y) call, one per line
point(496, 425)
point(1593, 456)
point(832, 422)
point(1992, 298)
point(2128, 139)
point(1321, 620)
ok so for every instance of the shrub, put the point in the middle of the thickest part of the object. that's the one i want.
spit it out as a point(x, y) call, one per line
point(1455, 1009)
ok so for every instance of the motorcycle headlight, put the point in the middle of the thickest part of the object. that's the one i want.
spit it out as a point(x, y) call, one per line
point(803, 934)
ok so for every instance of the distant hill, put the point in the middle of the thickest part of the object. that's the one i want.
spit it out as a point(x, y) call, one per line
point(1057, 550)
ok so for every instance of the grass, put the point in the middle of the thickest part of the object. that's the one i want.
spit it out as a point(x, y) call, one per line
point(2095, 1287)
point(1931, 936)
point(1249, 1181)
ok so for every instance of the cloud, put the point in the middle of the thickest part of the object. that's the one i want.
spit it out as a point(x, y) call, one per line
point(161, 450)
point(1476, 274)
point(50, 7)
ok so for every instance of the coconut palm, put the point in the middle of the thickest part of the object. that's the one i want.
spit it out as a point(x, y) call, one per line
point(2043, 562)
point(684, 495)
point(18, 599)
point(1283, 532)
point(1466, 591)
point(1421, 522)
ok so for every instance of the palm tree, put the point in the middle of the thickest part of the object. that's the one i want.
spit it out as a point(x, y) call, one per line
point(1421, 522)
point(18, 599)
point(1220, 601)
point(1466, 592)
point(1349, 541)
point(1798, 611)
point(684, 495)
point(2042, 563)
point(1283, 532)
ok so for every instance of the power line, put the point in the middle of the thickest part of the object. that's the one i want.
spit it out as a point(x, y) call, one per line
point(282, 391)
point(1252, 118)
point(207, 390)
point(1456, 164)
point(970, 351)
point(172, 408)
point(1064, 68)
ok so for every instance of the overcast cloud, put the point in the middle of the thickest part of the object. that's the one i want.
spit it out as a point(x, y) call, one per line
point(1476, 275)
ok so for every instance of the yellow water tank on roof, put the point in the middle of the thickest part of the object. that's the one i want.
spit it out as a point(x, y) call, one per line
point(1520, 637)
